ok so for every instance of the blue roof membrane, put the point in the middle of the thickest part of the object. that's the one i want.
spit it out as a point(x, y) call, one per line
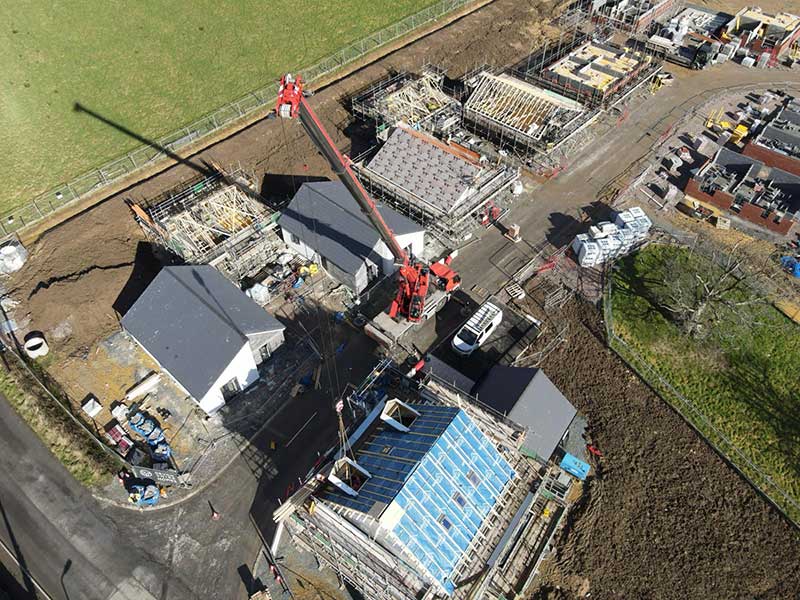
point(390, 456)
point(444, 477)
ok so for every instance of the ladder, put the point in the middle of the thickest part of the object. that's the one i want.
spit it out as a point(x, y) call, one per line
point(485, 314)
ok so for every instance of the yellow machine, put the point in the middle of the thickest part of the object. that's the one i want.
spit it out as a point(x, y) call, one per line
point(715, 122)
point(739, 133)
point(656, 85)
point(794, 51)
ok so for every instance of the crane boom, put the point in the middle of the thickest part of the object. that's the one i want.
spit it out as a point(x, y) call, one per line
point(291, 95)
point(414, 276)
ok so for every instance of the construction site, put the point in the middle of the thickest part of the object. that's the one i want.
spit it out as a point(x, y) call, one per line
point(419, 101)
point(635, 16)
point(594, 72)
point(215, 219)
point(523, 117)
point(448, 159)
point(429, 495)
point(510, 158)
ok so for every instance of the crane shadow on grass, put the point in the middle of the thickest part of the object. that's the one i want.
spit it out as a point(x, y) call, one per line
point(201, 166)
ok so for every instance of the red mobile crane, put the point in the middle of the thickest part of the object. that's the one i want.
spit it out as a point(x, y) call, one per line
point(414, 276)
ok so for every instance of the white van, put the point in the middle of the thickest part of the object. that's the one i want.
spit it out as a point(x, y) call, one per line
point(478, 329)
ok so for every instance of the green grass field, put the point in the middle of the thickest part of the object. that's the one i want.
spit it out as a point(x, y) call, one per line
point(746, 382)
point(151, 66)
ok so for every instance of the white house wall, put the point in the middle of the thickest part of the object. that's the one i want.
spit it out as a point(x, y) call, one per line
point(358, 281)
point(415, 241)
point(242, 367)
point(300, 247)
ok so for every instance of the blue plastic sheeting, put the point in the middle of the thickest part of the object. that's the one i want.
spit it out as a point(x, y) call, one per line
point(575, 466)
point(792, 265)
point(443, 477)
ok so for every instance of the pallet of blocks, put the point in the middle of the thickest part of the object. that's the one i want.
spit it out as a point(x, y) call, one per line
point(606, 240)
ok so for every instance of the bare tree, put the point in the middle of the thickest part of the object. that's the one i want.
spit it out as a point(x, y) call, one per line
point(701, 293)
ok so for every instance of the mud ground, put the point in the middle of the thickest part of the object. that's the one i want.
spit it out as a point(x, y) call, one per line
point(663, 516)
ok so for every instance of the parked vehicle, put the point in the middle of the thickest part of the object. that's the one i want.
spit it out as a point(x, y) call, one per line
point(478, 329)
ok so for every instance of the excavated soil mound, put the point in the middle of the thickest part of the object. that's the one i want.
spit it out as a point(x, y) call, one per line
point(664, 516)
point(75, 275)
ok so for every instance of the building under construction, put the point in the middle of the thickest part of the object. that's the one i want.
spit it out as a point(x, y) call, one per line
point(770, 35)
point(416, 100)
point(440, 185)
point(521, 116)
point(592, 71)
point(428, 496)
point(216, 219)
point(747, 189)
point(635, 16)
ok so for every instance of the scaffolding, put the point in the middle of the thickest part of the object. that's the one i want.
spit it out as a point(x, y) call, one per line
point(523, 112)
point(535, 126)
point(442, 186)
point(585, 66)
point(215, 219)
point(503, 556)
point(635, 16)
point(415, 100)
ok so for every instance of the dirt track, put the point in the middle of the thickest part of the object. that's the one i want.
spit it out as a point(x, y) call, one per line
point(665, 517)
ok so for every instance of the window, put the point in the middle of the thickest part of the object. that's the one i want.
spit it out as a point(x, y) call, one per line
point(264, 352)
point(444, 522)
point(399, 415)
point(294, 238)
point(230, 389)
point(473, 478)
point(460, 500)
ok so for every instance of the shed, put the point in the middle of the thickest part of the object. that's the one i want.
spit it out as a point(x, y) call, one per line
point(529, 398)
point(203, 331)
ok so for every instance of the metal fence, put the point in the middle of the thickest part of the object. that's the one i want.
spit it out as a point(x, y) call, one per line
point(696, 418)
point(43, 205)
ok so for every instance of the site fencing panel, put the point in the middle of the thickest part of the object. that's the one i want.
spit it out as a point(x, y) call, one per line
point(15, 220)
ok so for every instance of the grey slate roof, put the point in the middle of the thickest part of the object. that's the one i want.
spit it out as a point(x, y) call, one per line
point(430, 173)
point(327, 218)
point(529, 398)
point(441, 370)
point(736, 161)
point(194, 321)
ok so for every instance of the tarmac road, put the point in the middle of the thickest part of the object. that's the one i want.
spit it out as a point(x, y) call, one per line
point(47, 520)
